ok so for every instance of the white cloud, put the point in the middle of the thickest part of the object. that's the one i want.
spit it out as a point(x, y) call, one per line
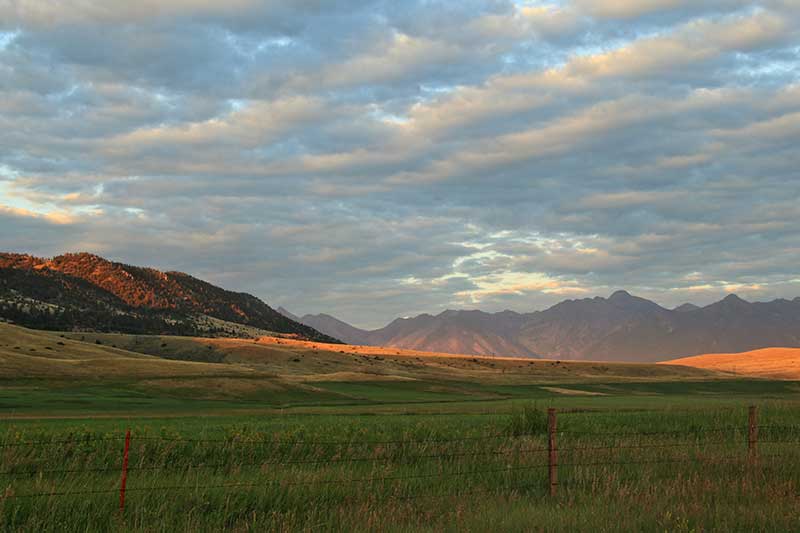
point(381, 159)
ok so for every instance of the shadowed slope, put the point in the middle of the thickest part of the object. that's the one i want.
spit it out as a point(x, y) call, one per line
point(336, 328)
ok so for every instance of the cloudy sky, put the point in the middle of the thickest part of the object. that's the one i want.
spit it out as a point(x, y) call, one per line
point(374, 159)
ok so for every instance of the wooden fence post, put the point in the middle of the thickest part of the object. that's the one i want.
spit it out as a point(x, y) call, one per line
point(752, 434)
point(552, 448)
point(124, 480)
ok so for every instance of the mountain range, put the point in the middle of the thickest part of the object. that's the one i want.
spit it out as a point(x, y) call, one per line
point(621, 327)
point(87, 292)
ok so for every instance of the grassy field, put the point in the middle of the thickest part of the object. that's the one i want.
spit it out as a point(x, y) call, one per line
point(674, 469)
point(99, 374)
point(289, 437)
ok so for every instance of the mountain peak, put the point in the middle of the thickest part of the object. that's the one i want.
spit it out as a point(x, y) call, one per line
point(685, 308)
point(733, 298)
point(140, 299)
point(632, 304)
point(78, 258)
point(731, 303)
point(620, 295)
point(288, 314)
point(81, 255)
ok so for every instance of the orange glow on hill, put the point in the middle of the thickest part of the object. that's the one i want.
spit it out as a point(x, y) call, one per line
point(289, 340)
point(780, 363)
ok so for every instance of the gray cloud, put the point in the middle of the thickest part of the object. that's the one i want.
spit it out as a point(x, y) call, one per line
point(374, 159)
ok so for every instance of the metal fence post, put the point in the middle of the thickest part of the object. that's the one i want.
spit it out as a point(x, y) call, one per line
point(752, 434)
point(552, 449)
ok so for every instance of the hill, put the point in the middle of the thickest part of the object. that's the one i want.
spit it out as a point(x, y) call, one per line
point(86, 373)
point(27, 353)
point(86, 292)
point(621, 327)
point(776, 363)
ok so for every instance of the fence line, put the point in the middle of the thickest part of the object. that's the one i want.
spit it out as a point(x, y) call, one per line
point(345, 481)
point(651, 433)
point(333, 442)
point(434, 441)
point(405, 459)
point(554, 461)
point(83, 440)
point(273, 463)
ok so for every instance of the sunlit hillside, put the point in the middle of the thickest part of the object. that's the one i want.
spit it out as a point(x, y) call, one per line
point(776, 363)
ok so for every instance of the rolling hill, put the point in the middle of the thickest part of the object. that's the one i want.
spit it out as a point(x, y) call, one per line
point(27, 353)
point(621, 327)
point(86, 292)
point(776, 363)
point(88, 373)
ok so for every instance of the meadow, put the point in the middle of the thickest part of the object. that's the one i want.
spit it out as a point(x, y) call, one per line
point(264, 445)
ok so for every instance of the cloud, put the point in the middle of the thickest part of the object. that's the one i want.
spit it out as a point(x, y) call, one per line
point(630, 199)
point(375, 159)
point(39, 14)
point(53, 217)
point(630, 9)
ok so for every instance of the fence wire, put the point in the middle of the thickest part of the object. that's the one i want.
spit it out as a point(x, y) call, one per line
point(401, 460)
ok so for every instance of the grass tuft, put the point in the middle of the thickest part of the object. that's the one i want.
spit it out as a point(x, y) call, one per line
point(527, 419)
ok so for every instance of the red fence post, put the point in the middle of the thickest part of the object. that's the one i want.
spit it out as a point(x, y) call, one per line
point(552, 449)
point(124, 481)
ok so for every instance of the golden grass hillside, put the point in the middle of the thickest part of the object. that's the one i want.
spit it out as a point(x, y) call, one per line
point(270, 368)
point(307, 362)
point(26, 353)
point(775, 363)
point(90, 373)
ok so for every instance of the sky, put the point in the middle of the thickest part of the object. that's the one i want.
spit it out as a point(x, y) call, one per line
point(376, 159)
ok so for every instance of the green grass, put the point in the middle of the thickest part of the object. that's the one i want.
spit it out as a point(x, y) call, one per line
point(454, 446)
point(130, 398)
point(293, 466)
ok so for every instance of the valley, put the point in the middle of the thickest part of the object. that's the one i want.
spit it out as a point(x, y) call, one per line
point(89, 374)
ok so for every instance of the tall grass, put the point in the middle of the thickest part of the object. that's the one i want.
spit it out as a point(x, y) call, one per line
point(672, 470)
point(527, 419)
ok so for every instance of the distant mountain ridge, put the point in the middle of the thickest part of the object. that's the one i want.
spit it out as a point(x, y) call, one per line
point(621, 327)
point(341, 329)
point(86, 291)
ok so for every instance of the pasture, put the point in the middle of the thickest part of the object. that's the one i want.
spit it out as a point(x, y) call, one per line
point(338, 440)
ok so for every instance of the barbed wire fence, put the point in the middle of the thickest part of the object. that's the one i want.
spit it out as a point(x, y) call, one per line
point(549, 465)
